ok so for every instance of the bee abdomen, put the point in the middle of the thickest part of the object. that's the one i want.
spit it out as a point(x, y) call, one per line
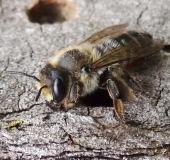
point(140, 39)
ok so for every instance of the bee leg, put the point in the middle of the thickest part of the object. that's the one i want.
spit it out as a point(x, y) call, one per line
point(126, 78)
point(74, 92)
point(117, 103)
point(73, 95)
point(126, 85)
point(69, 106)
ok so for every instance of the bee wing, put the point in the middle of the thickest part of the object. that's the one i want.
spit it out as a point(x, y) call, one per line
point(133, 50)
point(112, 31)
point(117, 45)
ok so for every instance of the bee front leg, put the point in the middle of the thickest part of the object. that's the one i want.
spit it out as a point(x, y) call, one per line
point(73, 95)
point(117, 103)
point(68, 106)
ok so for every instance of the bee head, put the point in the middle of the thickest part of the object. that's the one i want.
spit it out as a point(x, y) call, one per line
point(55, 79)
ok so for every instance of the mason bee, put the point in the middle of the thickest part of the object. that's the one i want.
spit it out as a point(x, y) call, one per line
point(99, 62)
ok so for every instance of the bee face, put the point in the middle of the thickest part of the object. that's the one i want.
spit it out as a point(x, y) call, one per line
point(56, 80)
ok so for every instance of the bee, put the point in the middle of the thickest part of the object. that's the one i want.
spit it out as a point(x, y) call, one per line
point(99, 62)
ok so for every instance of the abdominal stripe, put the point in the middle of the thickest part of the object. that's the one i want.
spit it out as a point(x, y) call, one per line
point(113, 43)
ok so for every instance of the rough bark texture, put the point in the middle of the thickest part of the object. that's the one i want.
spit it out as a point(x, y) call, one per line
point(84, 132)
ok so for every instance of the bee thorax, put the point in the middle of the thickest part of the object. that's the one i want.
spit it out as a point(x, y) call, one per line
point(90, 83)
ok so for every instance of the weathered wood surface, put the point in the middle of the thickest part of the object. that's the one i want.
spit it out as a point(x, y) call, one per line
point(84, 132)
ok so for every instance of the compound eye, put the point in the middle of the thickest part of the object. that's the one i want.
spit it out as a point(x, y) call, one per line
point(59, 90)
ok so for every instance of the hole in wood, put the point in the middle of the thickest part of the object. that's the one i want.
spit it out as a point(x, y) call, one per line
point(51, 11)
point(97, 99)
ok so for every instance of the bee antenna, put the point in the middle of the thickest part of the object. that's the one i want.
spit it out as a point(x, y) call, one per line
point(23, 74)
point(39, 92)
